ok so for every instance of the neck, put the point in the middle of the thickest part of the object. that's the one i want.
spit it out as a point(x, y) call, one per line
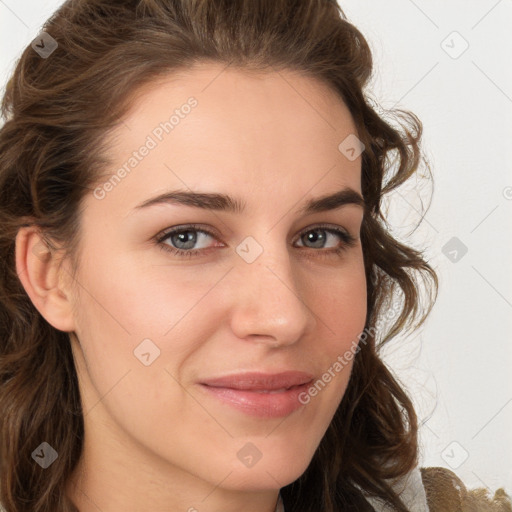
point(112, 483)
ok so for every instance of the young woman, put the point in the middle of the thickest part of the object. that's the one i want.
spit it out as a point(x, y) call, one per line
point(195, 263)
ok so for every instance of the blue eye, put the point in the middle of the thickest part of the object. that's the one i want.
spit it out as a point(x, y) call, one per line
point(320, 236)
point(187, 239)
point(183, 241)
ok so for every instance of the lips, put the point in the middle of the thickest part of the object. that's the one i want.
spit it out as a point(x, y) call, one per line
point(260, 394)
point(260, 381)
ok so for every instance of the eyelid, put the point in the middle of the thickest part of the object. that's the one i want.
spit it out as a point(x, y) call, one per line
point(346, 238)
point(162, 235)
point(342, 232)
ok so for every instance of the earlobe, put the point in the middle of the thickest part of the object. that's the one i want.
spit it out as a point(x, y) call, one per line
point(38, 269)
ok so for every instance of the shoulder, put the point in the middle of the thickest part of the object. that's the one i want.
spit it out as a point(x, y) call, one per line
point(437, 489)
point(411, 490)
point(445, 491)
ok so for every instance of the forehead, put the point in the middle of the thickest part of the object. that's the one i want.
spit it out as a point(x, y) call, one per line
point(212, 127)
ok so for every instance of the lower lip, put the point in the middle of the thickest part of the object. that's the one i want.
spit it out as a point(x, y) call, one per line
point(264, 405)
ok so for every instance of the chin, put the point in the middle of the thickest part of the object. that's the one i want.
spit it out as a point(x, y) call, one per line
point(269, 473)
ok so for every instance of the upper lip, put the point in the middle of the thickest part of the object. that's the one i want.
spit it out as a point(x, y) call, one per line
point(260, 380)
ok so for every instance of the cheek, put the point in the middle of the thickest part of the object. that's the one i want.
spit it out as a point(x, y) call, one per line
point(340, 303)
point(139, 300)
point(122, 306)
point(180, 311)
point(340, 299)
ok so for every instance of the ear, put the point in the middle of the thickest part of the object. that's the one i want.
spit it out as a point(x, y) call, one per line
point(44, 279)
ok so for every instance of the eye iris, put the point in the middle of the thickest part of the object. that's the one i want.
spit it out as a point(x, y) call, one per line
point(184, 239)
point(187, 239)
point(316, 237)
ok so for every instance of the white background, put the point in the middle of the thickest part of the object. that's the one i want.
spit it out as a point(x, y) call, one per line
point(457, 367)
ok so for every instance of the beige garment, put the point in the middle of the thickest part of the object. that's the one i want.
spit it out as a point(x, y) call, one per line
point(410, 488)
point(435, 490)
point(279, 506)
point(411, 491)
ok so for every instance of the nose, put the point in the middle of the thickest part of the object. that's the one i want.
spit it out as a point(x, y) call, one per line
point(268, 306)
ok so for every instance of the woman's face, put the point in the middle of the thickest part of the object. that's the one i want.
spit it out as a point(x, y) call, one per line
point(265, 281)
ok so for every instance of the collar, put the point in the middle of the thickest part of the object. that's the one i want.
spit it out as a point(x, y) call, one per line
point(410, 488)
point(279, 505)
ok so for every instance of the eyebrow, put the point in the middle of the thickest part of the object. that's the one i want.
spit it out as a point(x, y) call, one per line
point(224, 202)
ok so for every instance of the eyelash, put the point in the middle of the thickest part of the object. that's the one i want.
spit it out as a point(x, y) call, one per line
point(347, 239)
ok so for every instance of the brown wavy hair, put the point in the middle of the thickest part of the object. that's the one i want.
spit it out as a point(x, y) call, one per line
point(57, 112)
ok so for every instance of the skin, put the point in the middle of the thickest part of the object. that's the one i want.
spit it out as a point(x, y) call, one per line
point(154, 440)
